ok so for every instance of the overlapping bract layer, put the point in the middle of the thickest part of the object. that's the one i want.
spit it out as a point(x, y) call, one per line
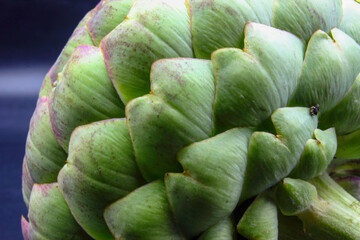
point(225, 123)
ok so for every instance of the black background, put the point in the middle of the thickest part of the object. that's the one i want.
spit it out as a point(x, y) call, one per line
point(32, 34)
point(36, 30)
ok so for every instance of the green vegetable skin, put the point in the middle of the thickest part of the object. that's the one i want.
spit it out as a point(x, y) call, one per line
point(200, 119)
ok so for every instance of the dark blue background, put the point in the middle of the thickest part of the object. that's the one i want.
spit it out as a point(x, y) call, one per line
point(32, 34)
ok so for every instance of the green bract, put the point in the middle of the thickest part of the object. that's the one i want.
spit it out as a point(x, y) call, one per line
point(200, 119)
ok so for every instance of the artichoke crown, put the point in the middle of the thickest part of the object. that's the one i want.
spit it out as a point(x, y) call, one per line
point(200, 119)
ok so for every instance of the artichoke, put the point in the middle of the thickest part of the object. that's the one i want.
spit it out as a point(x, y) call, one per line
point(200, 119)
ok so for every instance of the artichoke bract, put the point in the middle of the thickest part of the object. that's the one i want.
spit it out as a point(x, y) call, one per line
point(200, 119)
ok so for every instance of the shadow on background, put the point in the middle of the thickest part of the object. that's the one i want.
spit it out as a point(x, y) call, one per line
point(33, 33)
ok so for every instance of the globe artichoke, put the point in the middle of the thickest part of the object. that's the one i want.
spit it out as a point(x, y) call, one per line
point(200, 119)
